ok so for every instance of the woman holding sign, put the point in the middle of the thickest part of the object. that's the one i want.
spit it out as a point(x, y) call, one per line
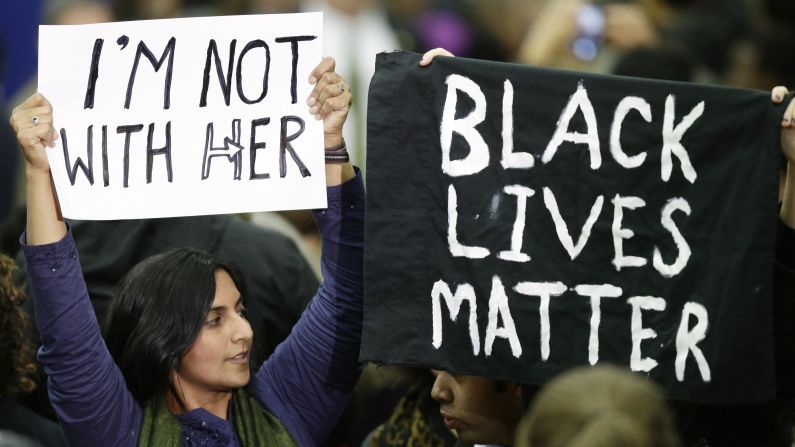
point(173, 366)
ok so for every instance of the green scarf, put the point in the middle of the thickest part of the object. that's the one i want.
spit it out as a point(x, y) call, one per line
point(254, 425)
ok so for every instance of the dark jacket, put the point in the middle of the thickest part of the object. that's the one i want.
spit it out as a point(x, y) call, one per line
point(18, 419)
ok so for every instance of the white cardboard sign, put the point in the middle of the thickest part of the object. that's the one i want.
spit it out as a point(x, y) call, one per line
point(155, 119)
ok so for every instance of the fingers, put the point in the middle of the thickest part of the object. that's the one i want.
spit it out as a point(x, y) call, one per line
point(326, 65)
point(43, 115)
point(338, 103)
point(427, 58)
point(44, 131)
point(23, 117)
point(331, 93)
point(778, 93)
point(788, 121)
point(334, 97)
point(329, 86)
point(328, 78)
point(33, 122)
point(335, 88)
point(35, 137)
point(321, 80)
point(36, 99)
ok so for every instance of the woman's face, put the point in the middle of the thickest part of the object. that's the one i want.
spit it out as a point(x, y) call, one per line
point(218, 361)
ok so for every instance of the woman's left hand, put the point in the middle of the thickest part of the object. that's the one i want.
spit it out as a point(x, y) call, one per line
point(330, 100)
point(787, 212)
point(787, 123)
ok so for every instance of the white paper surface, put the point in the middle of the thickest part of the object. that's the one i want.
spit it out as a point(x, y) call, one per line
point(65, 67)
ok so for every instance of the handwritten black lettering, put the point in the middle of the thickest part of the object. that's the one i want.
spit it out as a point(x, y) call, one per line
point(224, 80)
point(93, 74)
point(105, 172)
point(294, 47)
point(286, 146)
point(87, 170)
point(225, 151)
point(239, 75)
point(254, 147)
point(156, 63)
point(128, 130)
point(151, 152)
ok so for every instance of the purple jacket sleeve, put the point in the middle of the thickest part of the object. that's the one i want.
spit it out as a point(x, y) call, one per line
point(308, 380)
point(86, 389)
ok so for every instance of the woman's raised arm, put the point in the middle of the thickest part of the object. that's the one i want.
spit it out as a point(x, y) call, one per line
point(32, 122)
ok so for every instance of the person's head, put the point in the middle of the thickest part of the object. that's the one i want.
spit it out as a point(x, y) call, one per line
point(176, 326)
point(148, 9)
point(664, 63)
point(478, 410)
point(78, 12)
point(17, 365)
point(599, 406)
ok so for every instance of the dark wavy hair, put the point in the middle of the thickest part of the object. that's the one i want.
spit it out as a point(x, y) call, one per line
point(17, 360)
point(158, 312)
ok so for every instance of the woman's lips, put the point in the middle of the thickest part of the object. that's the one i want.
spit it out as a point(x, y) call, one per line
point(450, 423)
point(241, 358)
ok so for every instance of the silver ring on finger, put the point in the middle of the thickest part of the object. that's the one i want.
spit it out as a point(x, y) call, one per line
point(341, 87)
point(35, 120)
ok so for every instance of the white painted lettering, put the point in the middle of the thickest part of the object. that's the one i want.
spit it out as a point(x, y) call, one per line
point(672, 140)
point(578, 101)
point(687, 341)
point(640, 303)
point(619, 234)
point(457, 248)
point(624, 107)
point(682, 246)
point(515, 253)
point(563, 230)
point(478, 157)
point(464, 292)
point(499, 309)
point(596, 292)
point(543, 290)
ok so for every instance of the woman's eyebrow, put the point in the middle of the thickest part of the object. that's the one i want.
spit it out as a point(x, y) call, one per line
point(222, 307)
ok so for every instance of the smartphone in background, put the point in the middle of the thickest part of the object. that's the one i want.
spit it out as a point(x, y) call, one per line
point(590, 32)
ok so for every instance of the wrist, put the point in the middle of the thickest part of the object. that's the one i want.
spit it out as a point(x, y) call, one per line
point(332, 139)
point(337, 154)
point(34, 173)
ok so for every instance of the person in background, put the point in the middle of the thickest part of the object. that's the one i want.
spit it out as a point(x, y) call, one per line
point(18, 366)
point(478, 410)
point(593, 35)
point(415, 420)
point(602, 406)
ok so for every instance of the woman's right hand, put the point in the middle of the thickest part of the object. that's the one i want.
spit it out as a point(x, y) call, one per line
point(32, 122)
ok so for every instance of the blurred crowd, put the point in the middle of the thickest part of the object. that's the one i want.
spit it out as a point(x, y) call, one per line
point(743, 43)
point(740, 43)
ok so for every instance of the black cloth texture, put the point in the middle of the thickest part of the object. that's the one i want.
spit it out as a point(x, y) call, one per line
point(19, 419)
point(444, 208)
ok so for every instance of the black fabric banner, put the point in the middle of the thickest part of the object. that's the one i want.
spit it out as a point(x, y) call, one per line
point(521, 221)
